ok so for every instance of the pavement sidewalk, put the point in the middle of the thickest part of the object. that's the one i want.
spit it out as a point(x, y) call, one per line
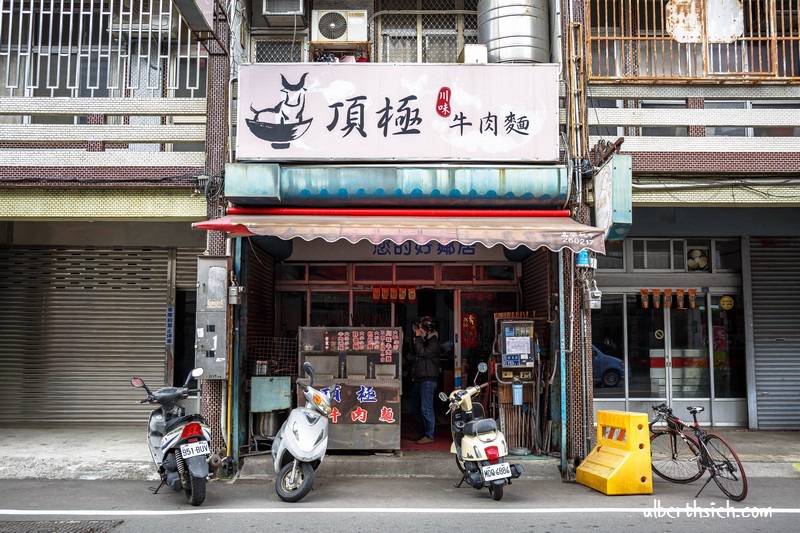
point(121, 453)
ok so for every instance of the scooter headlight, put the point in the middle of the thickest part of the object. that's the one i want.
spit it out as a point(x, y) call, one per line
point(321, 405)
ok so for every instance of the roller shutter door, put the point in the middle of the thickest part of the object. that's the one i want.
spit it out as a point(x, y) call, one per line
point(186, 269)
point(775, 266)
point(76, 325)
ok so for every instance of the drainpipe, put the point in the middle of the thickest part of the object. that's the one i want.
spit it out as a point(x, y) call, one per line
point(233, 401)
point(562, 366)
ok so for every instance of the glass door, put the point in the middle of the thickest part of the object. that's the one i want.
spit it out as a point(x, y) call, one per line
point(688, 360)
point(647, 354)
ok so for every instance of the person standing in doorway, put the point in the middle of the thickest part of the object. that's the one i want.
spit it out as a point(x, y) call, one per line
point(425, 357)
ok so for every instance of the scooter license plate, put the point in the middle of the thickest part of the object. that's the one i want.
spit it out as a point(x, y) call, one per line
point(194, 448)
point(498, 471)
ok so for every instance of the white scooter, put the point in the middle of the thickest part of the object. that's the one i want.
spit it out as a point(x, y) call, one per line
point(179, 442)
point(300, 445)
point(479, 446)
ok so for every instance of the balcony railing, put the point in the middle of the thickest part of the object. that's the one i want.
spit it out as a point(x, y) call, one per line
point(693, 40)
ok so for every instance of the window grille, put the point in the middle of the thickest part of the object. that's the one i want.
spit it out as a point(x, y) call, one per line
point(140, 48)
point(274, 50)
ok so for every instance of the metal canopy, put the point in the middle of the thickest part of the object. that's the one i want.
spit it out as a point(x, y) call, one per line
point(552, 233)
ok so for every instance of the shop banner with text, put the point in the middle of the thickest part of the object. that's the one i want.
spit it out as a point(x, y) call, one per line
point(410, 112)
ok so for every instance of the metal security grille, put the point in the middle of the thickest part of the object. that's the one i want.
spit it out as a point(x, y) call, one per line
point(96, 48)
point(775, 267)
point(75, 325)
point(536, 291)
point(425, 32)
point(692, 39)
point(278, 50)
point(186, 269)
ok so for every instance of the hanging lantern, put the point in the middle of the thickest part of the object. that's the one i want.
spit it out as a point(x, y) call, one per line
point(392, 294)
point(679, 296)
point(656, 298)
point(412, 295)
point(692, 298)
point(402, 294)
point(667, 298)
point(645, 298)
point(384, 295)
point(376, 294)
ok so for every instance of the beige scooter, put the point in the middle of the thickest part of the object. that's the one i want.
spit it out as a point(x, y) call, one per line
point(479, 446)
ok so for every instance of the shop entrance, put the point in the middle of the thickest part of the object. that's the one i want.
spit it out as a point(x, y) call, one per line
point(683, 356)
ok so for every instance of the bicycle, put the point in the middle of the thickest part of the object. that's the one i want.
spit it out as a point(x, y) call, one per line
point(680, 458)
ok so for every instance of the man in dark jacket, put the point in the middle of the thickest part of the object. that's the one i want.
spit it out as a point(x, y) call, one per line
point(425, 356)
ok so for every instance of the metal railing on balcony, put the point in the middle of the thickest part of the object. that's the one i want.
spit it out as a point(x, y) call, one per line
point(693, 40)
point(98, 48)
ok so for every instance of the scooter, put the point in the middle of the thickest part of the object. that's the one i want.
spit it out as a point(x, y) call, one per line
point(178, 442)
point(301, 442)
point(479, 446)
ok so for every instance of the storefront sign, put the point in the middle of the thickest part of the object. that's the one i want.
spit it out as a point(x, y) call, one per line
point(303, 250)
point(364, 404)
point(726, 302)
point(430, 112)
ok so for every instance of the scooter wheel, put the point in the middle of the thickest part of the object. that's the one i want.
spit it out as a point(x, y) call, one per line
point(196, 492)
point(294, 492)
point(496, 491)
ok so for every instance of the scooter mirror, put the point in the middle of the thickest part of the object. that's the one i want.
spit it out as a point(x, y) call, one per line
point(310, 371)
point(482, 367)
point(197, 372)
point(137, 382)
point(443, 396)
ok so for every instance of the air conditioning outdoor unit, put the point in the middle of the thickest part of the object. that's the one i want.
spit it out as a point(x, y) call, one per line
point(284, 13)
point(331, 26)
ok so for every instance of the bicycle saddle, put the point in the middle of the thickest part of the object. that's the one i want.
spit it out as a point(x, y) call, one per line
point(696, 409)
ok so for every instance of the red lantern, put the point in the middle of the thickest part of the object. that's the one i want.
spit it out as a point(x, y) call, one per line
point(657, 298)
point(402, 293)
point(376, 294)
point(412, 294)
point(645, 298)
point(384, 294)
point(392, 294)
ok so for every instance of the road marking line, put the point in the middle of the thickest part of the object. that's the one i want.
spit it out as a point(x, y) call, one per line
point(352, 510)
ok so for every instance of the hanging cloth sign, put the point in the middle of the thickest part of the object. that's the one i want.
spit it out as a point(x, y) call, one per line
point(679, 295)
point(645, 298)
point(667, 298)
point(469, 331)
point(656, 298)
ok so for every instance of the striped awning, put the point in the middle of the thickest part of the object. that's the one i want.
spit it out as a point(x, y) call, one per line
point(554, 233)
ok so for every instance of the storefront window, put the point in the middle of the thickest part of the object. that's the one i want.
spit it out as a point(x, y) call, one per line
point(608, 366)
point(372, 273)
point(495, 273)
point(456, 272)
point(367, 312)
point(330, 309)
point(727, 320)
point(291, 312)
point(329, 273)
point(728, 255)
point(614, 256)
point(289, 272)
point(415, 272)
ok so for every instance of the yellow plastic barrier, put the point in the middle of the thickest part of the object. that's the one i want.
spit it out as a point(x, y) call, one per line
point(620, 463)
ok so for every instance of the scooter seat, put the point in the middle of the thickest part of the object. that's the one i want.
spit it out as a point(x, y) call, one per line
point(183, 420)
point(483, 425)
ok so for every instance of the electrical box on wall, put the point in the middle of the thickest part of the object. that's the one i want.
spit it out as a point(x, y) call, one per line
point(211, 329)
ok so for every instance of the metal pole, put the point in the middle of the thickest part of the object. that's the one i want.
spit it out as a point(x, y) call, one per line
point(562, 365)
point(233, 399)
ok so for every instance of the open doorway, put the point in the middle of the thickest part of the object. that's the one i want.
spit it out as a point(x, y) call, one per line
point(439, 304)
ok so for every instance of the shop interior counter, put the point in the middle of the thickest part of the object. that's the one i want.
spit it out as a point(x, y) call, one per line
point(362, 364)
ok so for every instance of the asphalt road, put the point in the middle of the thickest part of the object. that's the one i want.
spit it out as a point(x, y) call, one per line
point(357, 504)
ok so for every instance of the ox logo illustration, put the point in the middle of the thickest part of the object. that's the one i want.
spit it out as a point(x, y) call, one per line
point(283, 123)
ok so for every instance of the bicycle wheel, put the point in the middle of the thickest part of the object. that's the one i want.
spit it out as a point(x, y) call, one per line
point(674, 458)
point(728, 471)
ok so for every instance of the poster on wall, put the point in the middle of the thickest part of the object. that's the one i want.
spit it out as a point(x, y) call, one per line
point(432, 112)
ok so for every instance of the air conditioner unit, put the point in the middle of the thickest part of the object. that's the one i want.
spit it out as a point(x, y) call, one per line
point(331, 26)
point(284, 13)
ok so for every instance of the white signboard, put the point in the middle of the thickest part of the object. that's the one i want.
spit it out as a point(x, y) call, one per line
point(603, 209)
point(408, 251)
point(518, 345)
point(388, 112)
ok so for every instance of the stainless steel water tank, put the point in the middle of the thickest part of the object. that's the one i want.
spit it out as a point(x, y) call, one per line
point(514, 31)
